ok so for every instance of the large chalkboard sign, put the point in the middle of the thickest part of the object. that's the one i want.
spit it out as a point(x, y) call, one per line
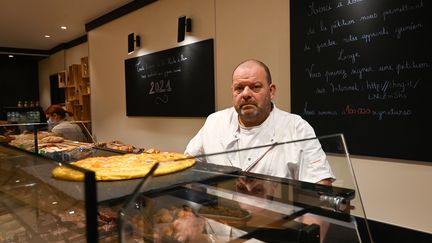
point(173, 82)
point(363, 68)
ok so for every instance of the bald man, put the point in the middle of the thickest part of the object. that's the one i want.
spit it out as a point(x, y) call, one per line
point(255, 121)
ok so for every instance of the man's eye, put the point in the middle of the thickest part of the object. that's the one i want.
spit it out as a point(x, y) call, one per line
point(238, 89)
point(256, 88)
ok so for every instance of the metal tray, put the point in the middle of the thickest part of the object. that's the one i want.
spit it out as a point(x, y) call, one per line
point(107, 190)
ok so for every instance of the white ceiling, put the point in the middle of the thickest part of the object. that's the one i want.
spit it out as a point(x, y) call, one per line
point(24, 23)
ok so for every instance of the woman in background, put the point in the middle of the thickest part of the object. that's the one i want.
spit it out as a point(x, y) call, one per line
point(58, 124)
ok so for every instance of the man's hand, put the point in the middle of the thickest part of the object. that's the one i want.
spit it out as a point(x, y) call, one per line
point(327, 181)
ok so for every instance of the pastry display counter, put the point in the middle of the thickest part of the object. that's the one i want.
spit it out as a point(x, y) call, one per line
point(239, 208)
point(249, 207)
point(204, 203)
point(31, 210)
point(47, 209)
point(35, 138)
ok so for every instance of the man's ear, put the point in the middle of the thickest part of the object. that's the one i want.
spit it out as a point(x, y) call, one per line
point(272, 91)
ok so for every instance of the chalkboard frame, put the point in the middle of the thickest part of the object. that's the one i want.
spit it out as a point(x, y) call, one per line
point(375, 123)
point(176, 82)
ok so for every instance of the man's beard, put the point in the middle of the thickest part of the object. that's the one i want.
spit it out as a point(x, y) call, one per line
point(249, 114)
point(253, 114)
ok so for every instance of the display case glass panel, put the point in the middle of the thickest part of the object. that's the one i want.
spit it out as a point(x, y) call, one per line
point(225, 195)
point(213, 204)
point(37, 138)
point(36, 207)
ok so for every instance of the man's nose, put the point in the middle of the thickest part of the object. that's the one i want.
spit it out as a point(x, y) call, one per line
point(246, 92)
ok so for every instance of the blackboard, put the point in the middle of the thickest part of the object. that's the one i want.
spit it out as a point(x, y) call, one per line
point(172, 82)
point(363, 68)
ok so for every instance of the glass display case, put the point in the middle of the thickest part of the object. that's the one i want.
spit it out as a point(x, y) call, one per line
point(35, 137)
point(34, 207)
point(209, 202)
point(242, 206)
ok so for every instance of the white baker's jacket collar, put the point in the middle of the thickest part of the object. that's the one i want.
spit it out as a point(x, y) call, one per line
point(230, 141)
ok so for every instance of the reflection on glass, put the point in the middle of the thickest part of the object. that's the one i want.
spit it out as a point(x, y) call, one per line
point(224, 206)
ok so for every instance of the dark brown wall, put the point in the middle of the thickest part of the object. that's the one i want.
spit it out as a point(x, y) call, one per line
point(18, 79)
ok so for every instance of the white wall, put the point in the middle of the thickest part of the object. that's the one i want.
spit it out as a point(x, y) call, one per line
point(396, 191)
point(73, 55)
point(47, 67)
point(393, 191)
point(157, 26)
point(253, 29)
point(55, 63)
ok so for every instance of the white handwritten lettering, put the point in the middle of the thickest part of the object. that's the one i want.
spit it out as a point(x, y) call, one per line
point(344, 88)
point(344, 57)
point(320, 90)
point(368, 37)
point(341, 23)
point(392, 112)
point(402, 9)
point(336, 73)
point(322, 26)
point(350, 38)
point(311, 73)
point(307, 112)
point(411, 65)
point(368, 17)
point(318, 10)
point(360, 71)
point(410, 27)
point(310, 31)
point(160, 86)
point(325, 44)
point(349, 2)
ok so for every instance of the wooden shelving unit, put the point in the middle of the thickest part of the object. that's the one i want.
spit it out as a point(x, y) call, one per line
point(76, 83)
point(62, 76)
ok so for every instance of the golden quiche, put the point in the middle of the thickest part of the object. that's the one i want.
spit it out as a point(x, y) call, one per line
point(128, 166)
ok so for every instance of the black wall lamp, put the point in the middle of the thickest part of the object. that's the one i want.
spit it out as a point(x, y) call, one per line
point(184, 25)
point(132, 41)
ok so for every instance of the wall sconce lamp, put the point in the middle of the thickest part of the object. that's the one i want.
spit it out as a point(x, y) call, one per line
point(132, 41)
point(184, 24)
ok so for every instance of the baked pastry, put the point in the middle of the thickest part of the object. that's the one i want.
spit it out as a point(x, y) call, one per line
point(128, 166)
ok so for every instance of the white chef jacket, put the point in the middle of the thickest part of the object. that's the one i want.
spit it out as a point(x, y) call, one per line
point(305, 161)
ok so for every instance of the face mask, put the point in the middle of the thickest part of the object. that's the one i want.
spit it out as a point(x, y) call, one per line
point(51, 124)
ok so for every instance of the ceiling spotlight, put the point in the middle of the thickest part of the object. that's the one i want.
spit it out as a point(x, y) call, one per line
point(11, 56)
point(47, 36)
point(63, 27)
